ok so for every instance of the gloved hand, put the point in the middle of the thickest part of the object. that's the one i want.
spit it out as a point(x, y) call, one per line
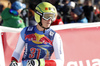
point(36, 62)
point(13, 63)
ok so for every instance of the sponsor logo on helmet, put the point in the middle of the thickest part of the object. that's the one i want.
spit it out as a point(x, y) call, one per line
point(46, 8)
point(50, 8)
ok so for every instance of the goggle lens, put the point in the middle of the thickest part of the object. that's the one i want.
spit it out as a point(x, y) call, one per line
point(48, 16)
point(13, 12)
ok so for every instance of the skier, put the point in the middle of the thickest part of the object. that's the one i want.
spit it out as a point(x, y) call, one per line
point(40, 41)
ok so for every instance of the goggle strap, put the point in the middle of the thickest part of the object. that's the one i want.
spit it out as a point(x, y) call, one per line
point(39, 13)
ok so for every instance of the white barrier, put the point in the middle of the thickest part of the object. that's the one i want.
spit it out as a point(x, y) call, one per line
point(75, 25)
point(55, 27)
point(9, 29)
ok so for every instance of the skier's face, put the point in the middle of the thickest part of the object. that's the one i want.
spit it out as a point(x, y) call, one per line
point(46, 23)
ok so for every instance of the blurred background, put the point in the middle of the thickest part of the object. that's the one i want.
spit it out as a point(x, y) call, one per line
point(59, 4)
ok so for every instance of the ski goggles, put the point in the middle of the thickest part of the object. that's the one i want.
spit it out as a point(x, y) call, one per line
point(14, 12)
point(47, 16)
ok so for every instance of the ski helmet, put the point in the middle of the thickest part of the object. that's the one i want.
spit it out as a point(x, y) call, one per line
point(43, 8)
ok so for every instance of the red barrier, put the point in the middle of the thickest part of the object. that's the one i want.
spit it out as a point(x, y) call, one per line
point(81, 46)
point(9, 40)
